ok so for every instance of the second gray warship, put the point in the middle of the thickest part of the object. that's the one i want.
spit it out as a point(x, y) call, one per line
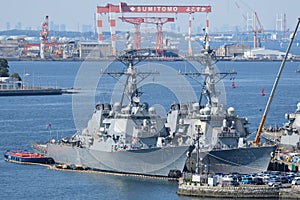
point(287, 136)
point(220, 136)
point(121, 138)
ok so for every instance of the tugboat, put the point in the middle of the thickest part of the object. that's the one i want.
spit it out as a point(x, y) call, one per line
point(128, 139)
point(26, 157)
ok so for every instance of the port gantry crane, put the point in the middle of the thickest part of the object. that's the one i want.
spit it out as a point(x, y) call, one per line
point(136, 21)
point(146, 9)
point(45, 45)
point(256, 24)
point(158, 21)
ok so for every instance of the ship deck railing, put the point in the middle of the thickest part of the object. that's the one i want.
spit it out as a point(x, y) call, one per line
point(228, 134)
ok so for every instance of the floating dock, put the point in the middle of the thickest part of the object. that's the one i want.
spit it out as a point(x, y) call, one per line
point(30, 92)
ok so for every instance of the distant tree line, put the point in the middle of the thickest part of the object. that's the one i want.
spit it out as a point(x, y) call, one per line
point(4, 72)
point(4, 68)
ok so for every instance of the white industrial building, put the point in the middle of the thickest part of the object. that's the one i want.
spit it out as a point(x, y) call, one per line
point(262, 53)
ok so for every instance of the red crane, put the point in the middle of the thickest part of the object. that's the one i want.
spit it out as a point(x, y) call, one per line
point(158, 21)
point(124, 8)
point(243, 13)
point(256, 29)
point(44, 37)
point(136, 21)
point(44, 44)
point(256, 25)
point(44, 32)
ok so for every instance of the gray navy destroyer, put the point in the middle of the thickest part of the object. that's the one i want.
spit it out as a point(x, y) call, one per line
point(133, 139)
point(287, 136)
point(119, 138)
point(220, 136)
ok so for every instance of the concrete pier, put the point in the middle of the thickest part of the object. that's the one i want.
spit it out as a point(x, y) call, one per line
point(242, 191)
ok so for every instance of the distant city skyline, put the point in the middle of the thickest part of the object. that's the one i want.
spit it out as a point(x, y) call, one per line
point(52, 27)
point(70, 15)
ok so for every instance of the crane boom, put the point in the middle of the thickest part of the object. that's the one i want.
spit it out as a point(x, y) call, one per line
point(243, 13)
point(255, 29)
point(259, 24)
point(257, 137)
point(158, 21)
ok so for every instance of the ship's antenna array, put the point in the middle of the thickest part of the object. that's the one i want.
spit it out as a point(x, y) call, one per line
point(131, 58)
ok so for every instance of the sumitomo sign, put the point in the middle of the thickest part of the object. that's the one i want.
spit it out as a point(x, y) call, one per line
point(157, 9)
point(123, 8)
point(169, 9)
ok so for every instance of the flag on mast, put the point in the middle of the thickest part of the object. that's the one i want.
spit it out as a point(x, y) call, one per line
point(48, 126)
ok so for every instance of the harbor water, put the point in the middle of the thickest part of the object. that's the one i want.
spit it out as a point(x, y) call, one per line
point(23, 120)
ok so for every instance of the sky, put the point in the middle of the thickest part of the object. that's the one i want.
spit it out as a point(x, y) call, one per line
point(74, 14)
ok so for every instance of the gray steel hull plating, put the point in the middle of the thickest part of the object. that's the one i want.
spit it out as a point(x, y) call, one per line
point(240, 160)
point(154, 161)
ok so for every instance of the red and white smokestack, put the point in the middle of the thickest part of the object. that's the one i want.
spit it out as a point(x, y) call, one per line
point(207, 34)
point(99, 27)
point(44, 33)
point(190, 37)
point(112, 22)
point(47, 22)
point(44, 37)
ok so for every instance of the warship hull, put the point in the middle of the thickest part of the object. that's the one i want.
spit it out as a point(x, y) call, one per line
point(152, 161)
point(241, 160)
